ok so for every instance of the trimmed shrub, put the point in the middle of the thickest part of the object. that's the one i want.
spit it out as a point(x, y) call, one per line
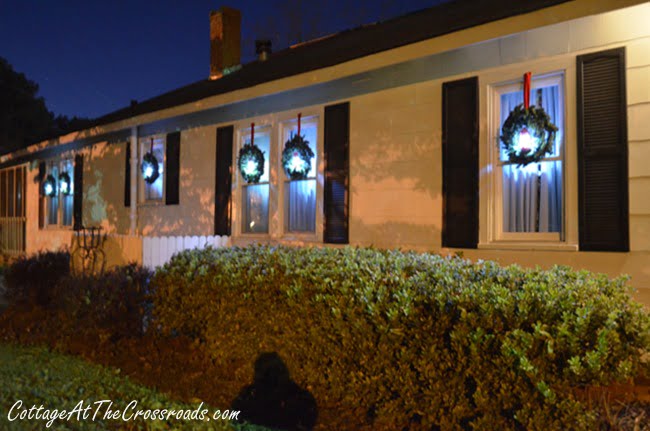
point(115, 302)
point(417, 341)
point(30, 279)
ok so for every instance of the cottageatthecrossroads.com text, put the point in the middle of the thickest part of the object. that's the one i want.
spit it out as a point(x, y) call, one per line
point(104, 410)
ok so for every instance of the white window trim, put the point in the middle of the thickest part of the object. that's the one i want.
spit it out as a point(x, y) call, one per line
point(142, 144)
point(277, 123)
point(46, 207)
point(491, 235)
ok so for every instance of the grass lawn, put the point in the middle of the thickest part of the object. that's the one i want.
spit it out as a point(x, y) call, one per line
point(38, 377)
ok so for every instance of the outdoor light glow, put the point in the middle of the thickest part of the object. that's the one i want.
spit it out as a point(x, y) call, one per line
point(250, 168)
point(297, 164)
point(64, 187)
point(148, 171)
point(49, 189)
point(524, 142)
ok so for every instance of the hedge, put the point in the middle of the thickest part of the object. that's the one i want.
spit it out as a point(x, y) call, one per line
point(415, 341)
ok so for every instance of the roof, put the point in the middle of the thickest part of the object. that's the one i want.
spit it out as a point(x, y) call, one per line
point(339, 48)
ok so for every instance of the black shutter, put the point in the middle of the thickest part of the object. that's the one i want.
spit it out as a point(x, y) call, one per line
point(602, 152)
point(41, 198)
point(460, 163)
point(127, 176)
point(77, 202)
point(173, 161)
point(223, 180)
point(337, 173)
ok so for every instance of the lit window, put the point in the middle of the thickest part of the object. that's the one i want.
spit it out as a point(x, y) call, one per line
point(300, 194)
point(152, 174)
point(529, 201)
point(255, 196)
point(58, 193)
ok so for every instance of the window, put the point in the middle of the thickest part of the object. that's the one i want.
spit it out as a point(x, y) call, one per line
point(153, 191)
point(300, 195)
point(255, 197)
point(278, 205)
point(59, 207)
point(529, 201)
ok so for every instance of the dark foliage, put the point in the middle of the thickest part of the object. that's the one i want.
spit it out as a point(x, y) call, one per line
point(115, 302)
point(24, 117)
point(32, 279)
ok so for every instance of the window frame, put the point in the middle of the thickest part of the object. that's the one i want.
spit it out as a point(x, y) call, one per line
point(143, 142)
point(277, 124)
point(492, 85)
point(46, 199)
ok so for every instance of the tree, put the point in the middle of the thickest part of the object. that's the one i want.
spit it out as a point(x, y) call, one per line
point(24, 117)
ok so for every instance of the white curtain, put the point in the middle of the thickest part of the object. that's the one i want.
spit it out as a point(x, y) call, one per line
point(532, 194)
point(256, 208)
point(301, 209)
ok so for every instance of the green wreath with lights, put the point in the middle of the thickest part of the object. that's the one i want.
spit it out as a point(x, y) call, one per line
point(251, 163)
point(64, 178)
point(150, 168)
point(534, 121)
point(297, 157)
point(49, 186)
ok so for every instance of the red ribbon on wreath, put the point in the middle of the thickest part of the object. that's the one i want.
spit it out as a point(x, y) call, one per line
point(252, 133)
point(299, 115)
point(527, 77)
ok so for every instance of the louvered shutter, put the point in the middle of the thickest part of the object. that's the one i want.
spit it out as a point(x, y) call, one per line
point(41, 195)
point(337, 173)
point(460, 163)
point(223, 180)
point(172, 170)
point(77, 198)
point(127, 176)
point(602, 152)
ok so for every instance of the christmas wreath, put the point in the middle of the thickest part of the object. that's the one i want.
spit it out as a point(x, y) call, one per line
point(49, 186)
point(150, 168)
point(251, 163)
point(528, 135)
point(296, 157)
point(65, 184)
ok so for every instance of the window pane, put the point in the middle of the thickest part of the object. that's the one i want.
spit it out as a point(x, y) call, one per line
point(300, 207)
point(532, 194)
point(308, 129)
point(263, 141)
point(154, 191)
point(53, 202)
point(10, 194)
point(3, 194)
point(19, 192)
point(255, 208)
point(532, 197)
point(67, 210)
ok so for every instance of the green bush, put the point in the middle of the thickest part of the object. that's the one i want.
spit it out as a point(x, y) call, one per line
point(416, 340)
point(30, 279)
point(39, 377)
point(116, 301)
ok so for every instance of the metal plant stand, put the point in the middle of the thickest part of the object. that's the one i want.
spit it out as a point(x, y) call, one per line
point(87, 256)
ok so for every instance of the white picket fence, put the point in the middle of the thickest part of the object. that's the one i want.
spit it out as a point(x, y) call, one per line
point(156, 251)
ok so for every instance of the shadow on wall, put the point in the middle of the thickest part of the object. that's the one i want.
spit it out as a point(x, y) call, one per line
point(274, 400)
point(392, 235)
point(104, 177)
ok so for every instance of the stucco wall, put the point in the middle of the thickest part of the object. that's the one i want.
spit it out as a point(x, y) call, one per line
point(194, 215)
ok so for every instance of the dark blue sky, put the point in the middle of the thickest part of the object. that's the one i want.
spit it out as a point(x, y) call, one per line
point(92, 57)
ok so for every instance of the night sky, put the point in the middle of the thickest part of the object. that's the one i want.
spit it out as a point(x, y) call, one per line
point(92, 57)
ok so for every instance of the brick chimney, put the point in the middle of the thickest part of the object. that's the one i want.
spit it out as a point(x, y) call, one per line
point(225, 40)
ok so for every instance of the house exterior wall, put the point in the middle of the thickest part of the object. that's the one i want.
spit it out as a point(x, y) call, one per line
point(395, 136)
